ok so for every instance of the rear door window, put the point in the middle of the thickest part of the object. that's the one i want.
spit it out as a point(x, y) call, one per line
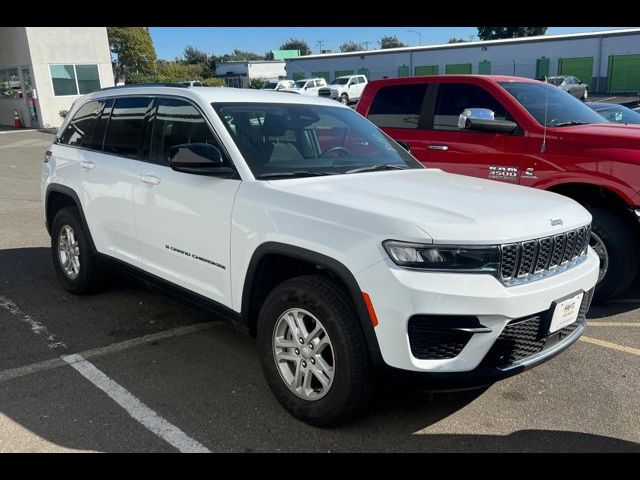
point(398, 106)
point(125, 126)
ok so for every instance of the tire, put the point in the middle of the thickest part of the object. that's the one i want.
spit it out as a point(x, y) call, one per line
point(344, 99)
point(620, 253)
point(86, 278)
point(321, 300)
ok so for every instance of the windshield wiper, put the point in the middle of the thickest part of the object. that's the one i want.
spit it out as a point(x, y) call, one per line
point(383, 166)
point(572, 122)
point(295, 173)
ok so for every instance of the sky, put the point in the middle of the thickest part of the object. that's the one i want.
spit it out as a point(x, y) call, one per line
point(171, 41)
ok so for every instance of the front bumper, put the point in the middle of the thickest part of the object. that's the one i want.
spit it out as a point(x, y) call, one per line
point(398, 294)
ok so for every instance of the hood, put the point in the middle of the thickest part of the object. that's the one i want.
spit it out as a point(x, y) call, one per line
point(449, 208)
point(602, 135)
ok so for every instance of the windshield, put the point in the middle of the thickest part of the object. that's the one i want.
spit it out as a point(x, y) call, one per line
point(302, 140)
point(555, 80)
point(562, 108)
point(340, 81)
point(270, 86)
point(301, 83)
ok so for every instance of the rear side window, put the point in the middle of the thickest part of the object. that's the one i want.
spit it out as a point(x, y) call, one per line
point(177, 122)
point(398, 106)
point(78, 131)
point(125, 126)
point(454, 98)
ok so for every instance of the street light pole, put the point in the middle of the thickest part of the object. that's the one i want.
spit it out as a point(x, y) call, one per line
point(420, 35)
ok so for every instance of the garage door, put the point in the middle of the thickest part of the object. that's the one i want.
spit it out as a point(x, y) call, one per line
point(298, 76)
point(484, 67)
point(403, 71)
point(343, 73)
point(427, 70)
point(581, 67)
point(542, 68)
point(324, 75)
point(464, 68)
point(624, 73)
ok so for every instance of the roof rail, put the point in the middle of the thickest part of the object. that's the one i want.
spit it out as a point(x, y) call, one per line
point(176, 85)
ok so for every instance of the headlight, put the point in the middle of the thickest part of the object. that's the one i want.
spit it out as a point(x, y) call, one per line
point(458, 258)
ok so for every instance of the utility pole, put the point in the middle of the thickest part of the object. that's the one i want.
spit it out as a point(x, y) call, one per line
point(420, 35)
point(366, 44)
point(319, 43)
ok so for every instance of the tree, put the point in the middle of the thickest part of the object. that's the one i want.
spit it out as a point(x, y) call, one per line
point(390, 42)
point(193, 56)
point(456, 40)
point(493, 33)
point(350, 47)
point(296, 44)
point(133, 49)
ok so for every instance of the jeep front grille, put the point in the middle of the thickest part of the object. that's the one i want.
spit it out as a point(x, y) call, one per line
point(535, 259)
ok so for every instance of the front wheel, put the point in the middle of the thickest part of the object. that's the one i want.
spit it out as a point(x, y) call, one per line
point(313, 352)
point(344, 99)
point(615, 243)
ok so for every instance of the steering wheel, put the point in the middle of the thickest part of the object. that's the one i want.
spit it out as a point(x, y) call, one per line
point(343, 152)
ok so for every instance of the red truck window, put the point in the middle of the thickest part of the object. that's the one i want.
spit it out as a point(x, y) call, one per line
point(453, 98)
point(398, 106)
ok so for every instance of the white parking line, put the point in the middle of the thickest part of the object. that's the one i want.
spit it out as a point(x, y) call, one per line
point(134, 407)
point(36, 327)
point(106, 350)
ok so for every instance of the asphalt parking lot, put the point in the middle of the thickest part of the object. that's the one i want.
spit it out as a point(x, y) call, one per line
point(132, 369)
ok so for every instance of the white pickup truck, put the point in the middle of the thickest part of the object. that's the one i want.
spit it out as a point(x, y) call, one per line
point(345, 89)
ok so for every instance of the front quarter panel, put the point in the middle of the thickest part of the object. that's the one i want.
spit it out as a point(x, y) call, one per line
point(263, 213)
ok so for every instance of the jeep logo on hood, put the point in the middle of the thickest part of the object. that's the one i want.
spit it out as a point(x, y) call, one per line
point(555, 222)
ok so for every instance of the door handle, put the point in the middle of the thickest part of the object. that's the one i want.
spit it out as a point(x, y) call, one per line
point(149, 179)
point(87, 165)
point(438, 147)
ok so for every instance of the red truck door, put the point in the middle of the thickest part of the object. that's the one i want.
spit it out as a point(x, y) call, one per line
point(425, 116)
point(497, 156)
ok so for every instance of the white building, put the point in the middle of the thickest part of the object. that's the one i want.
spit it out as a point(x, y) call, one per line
point(240, 73)
point(608, 61)
point(44, 69)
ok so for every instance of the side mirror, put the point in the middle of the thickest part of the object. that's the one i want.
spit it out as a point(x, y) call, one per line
point(198, 159)
point(483, 119)
point(404, 145)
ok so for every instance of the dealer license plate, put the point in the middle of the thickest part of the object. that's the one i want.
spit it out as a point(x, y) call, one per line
point(566, 313)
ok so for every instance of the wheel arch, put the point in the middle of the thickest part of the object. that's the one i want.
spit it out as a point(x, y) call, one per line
point(58, 197)
point(289, 261)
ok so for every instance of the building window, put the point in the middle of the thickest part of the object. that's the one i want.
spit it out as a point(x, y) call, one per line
point(74, 79)
point(10, 86)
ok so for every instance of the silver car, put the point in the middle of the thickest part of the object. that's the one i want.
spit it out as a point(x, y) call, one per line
point(572, 85)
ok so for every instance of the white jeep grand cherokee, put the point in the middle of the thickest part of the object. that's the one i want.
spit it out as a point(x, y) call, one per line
point(301, 221)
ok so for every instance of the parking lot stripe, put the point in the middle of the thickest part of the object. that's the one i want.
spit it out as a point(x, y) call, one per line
point(134, 407)
point(613, 324)
point(36, 327)
point(29, 369)
point(613, 346)
point(106, 350)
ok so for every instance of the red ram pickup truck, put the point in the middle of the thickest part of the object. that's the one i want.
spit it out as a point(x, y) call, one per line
point(527, 132)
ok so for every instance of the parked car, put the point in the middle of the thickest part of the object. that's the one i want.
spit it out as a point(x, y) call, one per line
point(525, 132)
point(615, 113)
point(278, 85)
point(571, 85)
point(191, 83)
point(328, 241)
point(308, 86)
point(345, 89)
